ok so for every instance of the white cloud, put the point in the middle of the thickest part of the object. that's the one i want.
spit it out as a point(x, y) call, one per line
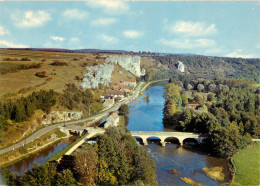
point(56, 38)
point(110, 6)
point(8, 44)
point(193, 28)
point(103, 21)
point(188, 43)
point(75, 14)
point(132, 33)
point(109, 39)
point(30, 18)
point(238, 54)
point(74, 39)
point(2, 30)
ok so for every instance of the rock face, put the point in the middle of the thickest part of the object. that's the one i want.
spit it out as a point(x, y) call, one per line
point(143, 72)
point(97, 74)
point(180, 66)
point(128, 62)
point(59, 116)
point(102, 73)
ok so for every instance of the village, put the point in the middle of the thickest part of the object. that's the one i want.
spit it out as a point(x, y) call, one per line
point(120, 91)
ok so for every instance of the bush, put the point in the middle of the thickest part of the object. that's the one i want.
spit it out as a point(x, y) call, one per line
point(25, 59)
point(59, 63)
point(41, 74)
point(124, 110)
point(23, 150)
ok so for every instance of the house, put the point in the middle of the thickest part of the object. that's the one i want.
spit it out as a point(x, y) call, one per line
point(129, 82)
point(119, 86)
point(126, 89)
point(116, 93)
point(195, 106)
point(112, 120)
point(107, 103)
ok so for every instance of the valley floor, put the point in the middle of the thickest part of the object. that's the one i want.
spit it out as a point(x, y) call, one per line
point(247, 163)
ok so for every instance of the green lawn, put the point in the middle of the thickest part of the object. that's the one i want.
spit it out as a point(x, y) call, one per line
point(247, 163)
point(121, 121)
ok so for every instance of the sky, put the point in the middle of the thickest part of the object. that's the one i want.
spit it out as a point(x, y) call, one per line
point(230, 29)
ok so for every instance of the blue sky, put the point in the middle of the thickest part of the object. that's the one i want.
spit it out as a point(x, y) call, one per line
point(229, 29)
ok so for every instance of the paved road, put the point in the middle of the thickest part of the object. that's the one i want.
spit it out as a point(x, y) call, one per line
point(45, 130)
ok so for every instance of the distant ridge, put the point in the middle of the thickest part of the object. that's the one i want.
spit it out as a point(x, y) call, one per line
point(93, 50)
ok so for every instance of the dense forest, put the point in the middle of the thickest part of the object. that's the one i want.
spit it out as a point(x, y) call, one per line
point(207, 67)
point(228, 111)
point(116, 158)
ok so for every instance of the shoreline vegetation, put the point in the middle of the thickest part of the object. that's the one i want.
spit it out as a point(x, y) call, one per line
point(23, 156)
point(31, 148)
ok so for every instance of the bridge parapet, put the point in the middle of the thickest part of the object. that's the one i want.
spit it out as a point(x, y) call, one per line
point(181, 136)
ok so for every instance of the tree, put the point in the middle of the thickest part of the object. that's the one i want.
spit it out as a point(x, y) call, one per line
point(124, 110)
point(65, 178)
point(189, 87)
point(86, 166)
point(226, 141)
point(211, 97)
point(172, 93)
point(184, 99)
point(198, 99)
point(212, 87)
point(200, 87)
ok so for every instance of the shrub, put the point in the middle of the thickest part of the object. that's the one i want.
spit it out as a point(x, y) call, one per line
point(41, 74)
point(25, 59)
point(23, 150)
point(59, 63)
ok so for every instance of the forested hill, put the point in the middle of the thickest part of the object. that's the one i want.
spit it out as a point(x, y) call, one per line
point(164, 66)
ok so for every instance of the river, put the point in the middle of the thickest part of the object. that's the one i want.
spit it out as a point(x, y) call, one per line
point(147, 116)
point(40, 157)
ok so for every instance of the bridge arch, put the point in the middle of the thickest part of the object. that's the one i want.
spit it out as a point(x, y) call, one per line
point(153, 139)
point(139, 139)
point(191, 141)
point(172, 139)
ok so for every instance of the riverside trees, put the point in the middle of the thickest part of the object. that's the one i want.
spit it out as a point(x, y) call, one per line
point(231, 120)
point(116, 159)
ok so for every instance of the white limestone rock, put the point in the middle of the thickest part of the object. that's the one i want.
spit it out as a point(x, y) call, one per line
point(143, 72)
point(128, 62)
point(97, 74)
point(60, 116)
point(180, 66)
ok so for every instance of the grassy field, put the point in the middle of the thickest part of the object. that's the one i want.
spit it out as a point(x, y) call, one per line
point(247, 163)
point(21, 65)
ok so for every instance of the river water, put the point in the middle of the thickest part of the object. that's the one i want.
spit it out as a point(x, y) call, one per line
point(147, 116)
point(40, 157)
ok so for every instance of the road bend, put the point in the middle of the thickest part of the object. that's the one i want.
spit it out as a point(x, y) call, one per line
point(47, 129)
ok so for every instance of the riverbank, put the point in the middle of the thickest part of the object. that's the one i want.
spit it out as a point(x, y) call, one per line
point(27, 150)
point(247, 165)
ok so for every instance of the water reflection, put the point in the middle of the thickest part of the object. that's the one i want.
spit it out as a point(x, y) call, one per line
point(189, 160)
point(40, 157)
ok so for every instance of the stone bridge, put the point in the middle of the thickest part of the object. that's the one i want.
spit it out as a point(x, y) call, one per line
point(180, 136)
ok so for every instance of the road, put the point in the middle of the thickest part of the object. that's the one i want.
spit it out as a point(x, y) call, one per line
point(45, 130)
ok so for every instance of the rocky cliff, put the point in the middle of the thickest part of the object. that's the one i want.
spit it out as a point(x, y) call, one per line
point(128, 62)
point(101, 73)
point(97, 74)
point(60, 116)
point(180, 66)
